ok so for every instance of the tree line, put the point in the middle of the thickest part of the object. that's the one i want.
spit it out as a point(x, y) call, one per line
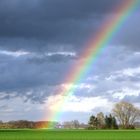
point(101, 122)
point(24, 124)
point(124, 115)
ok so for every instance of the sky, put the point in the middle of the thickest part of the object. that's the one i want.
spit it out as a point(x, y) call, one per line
point(41, 40)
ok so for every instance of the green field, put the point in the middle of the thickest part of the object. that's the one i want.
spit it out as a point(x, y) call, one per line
point(69, 135)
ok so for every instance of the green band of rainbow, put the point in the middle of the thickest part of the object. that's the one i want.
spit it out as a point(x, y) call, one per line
point(93, 50)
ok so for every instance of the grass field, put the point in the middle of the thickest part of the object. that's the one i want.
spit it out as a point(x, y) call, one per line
point(68, 135)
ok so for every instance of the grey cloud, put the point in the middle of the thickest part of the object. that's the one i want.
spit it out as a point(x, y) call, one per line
point(36, 71)
point(41, 27)
point(53, 21)
point(34, 25)
point(20, 73)
point(3, 107)
point(56, 58)
point(130, 32)
point(34, 95)
point(132, 99)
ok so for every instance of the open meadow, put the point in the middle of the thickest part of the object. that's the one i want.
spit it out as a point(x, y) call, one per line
point(69, 135)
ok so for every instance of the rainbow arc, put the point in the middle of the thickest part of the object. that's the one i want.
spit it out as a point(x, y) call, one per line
point(93, 50)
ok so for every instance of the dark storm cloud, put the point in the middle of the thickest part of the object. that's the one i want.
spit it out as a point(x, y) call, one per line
point(31, 80)
point(53, 21)
point(36, 24)
point(53, 26)
point(28, 72)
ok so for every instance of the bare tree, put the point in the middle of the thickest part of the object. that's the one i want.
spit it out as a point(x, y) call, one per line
point(126, 113)
point(101, 119)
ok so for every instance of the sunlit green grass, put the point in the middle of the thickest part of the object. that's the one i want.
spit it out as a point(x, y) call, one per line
point(69, 135)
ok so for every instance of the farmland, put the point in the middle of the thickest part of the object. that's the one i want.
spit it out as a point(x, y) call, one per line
point(69, 134)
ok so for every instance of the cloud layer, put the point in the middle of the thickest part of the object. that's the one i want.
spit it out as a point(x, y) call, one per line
point(41, 40)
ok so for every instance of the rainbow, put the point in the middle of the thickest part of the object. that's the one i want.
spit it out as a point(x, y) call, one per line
point(92, 52)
